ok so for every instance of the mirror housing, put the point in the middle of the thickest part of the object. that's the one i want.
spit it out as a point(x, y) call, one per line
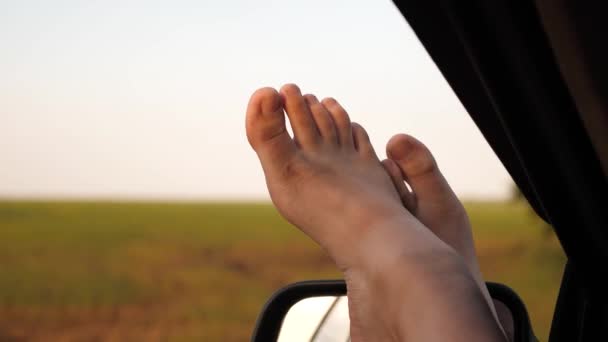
point(270, 320)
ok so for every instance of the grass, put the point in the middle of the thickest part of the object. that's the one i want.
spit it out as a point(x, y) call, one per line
point(72, 271)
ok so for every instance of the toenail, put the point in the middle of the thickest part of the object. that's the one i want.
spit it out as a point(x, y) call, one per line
point(271, 104)
point(329, 100)
point(310, 98)
point(398, 153)
point(399, 147)
point(290, 88)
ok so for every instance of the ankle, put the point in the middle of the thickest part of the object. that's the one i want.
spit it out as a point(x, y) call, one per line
point(422, 291)
point(444, 300)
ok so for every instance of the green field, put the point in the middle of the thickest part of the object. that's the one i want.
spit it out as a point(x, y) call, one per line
point(93, 271)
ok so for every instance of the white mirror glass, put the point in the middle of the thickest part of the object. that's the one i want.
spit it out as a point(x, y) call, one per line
point(317, 319)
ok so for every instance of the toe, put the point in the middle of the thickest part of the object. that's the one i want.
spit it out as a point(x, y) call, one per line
point(341, 120)
point(361, 140)
point(407, 197)
point(418, 167)
point(323, 119)
point(301, 120)
point(265, 124)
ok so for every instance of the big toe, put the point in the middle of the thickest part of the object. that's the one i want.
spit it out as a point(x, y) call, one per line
point(435, 204)
point(265, 125)
point(420, 170)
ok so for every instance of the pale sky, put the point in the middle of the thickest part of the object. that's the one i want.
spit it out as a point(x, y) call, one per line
point(146, 99)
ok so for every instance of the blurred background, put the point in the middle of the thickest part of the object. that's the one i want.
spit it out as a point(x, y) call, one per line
point(131, 205)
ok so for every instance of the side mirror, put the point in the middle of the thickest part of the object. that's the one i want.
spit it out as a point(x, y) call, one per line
point(314, 311)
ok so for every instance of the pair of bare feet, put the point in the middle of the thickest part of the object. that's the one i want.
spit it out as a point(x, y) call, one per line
point(407, 256)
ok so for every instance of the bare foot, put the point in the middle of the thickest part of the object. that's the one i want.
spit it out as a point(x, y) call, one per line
point(432, 201)
point(329, 183)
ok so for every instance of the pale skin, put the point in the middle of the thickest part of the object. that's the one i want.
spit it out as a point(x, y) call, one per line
point(407, 256)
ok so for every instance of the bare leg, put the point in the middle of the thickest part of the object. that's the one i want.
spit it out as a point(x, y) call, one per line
point(432, 201)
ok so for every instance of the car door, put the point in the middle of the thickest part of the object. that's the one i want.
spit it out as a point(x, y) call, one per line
point(530, 75)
